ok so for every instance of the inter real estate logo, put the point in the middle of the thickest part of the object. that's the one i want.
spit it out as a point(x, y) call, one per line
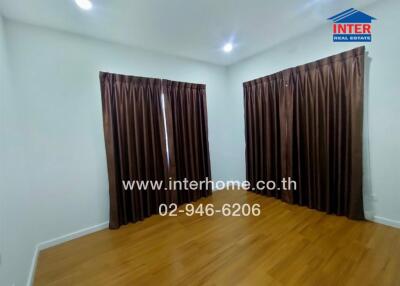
point(352, 26)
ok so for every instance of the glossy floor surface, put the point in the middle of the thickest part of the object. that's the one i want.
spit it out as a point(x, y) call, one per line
point(285, 245)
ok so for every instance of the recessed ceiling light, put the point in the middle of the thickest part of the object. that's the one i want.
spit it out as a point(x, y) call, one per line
point(228, 47)
point(84, 4)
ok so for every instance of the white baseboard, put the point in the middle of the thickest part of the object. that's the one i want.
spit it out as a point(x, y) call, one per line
point(31, 276)
point(58, 240)
point(72, 235)
point(386, 221)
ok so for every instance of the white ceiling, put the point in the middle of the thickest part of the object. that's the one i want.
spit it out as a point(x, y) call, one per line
point(187, 28)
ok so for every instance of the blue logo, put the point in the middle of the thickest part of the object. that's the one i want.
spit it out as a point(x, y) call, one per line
point(352, 26)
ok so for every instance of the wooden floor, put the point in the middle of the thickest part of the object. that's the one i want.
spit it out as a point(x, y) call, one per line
point(286, 245)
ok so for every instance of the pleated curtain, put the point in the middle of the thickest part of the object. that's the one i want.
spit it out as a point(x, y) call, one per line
point(306, 123)
point(140, 142)
point(186, 106)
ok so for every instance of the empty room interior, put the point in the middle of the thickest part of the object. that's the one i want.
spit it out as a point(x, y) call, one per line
point(150, 142)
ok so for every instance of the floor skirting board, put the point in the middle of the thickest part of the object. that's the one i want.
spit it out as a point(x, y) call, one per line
point(59, 240)
point(386, 221)
point(32, 270)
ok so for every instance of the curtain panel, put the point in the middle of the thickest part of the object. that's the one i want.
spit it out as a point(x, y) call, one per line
point(186, 112)
point(135, 145)
point(306, 123)
point(143, 145)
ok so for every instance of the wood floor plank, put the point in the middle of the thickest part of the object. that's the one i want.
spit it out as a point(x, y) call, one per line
point(286, 245)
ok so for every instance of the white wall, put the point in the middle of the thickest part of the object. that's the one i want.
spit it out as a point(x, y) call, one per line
point(56, 84)
point(3, 72)
point(382, 102)
point(16, 254)
point(3, 91)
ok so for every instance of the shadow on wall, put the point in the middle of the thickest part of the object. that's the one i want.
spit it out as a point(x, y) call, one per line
point(369, 197)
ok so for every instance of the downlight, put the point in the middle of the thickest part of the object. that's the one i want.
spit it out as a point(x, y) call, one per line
point(228, 47)
point(84, 4)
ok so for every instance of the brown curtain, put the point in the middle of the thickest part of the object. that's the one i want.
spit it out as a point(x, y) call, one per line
point(306, 123)
point(186, 111)
point(135, 145)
